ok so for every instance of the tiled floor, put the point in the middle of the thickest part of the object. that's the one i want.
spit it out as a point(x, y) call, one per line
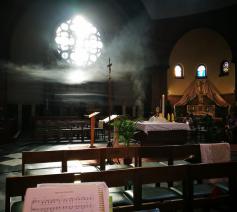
point(10, 158)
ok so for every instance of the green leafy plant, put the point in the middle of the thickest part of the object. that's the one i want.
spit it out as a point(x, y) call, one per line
point(126, 129)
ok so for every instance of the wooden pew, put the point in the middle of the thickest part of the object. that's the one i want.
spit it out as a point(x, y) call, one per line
point(83, 155)
point(16, 186)
point(43, 157)
point(181, 152)
point(169, 153)
point(62, 156)
point(58, 128)
point(151, 197)
point(163, 197)
point(114, 178)
point(100, 155)
point(156, 196)
point(217, 196)
point(128, 155)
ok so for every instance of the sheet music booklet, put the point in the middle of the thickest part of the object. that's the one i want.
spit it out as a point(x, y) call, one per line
point(63, 197)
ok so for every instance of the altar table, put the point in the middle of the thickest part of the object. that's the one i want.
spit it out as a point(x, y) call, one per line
point(161, 133)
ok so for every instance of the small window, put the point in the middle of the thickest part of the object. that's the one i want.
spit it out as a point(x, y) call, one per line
point(178, 71)
point(225, 68)
point(201, 71)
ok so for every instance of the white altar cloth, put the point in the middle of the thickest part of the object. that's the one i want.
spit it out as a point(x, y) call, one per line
point(147, 126)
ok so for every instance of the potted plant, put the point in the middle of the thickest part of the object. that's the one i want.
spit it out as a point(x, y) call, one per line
point(125, 129)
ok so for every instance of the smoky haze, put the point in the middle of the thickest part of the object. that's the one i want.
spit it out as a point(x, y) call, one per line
point(126, 51)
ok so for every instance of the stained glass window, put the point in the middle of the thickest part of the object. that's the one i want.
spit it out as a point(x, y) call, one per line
point(201, 71)
point(225, 68)
point(78, 41)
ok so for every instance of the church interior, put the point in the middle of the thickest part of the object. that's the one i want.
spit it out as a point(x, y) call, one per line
point(91, 90)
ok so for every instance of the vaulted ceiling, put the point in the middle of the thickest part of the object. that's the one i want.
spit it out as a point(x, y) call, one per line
point(109, 15)
point(161, 9)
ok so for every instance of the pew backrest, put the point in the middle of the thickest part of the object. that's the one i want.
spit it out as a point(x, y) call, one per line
point(214, 173)
point(157, 175)
point(114, 178)
point(42, 157)
point(169, 153)
point(119, 152)
point(83, 154)
point(16, 186)
point(62, 156)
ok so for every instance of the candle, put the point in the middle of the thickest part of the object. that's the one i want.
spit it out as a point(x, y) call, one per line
point(163, 105)
point(172, 117)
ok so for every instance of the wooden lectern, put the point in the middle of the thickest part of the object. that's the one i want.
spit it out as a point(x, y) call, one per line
point(111, 118)
point(92, 119)
point(107, 125)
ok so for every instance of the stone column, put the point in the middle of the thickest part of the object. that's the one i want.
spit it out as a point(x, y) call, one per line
point(19, 117)
point(134, 114)
point(32, 110)
point(124, 109)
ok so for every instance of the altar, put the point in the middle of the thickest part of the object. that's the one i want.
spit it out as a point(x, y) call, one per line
point(161, 133)
point(201, 98)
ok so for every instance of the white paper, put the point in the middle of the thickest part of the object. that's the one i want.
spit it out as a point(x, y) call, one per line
point(82, 197)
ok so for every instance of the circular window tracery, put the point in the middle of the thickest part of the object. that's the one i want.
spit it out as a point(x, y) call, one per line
point(78, 42)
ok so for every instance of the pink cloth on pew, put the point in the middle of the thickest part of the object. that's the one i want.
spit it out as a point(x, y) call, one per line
point(214, 153)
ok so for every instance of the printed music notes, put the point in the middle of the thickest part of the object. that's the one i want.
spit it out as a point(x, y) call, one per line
point(81, 197)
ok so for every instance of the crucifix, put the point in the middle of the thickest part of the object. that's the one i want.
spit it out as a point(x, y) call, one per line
point(200, 92)
point(109, 103)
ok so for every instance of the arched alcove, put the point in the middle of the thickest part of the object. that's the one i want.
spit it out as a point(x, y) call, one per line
point(200, 46)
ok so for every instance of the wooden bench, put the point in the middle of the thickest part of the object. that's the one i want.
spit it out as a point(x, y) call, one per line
point(43, 157)
point(167, 154)
point(16, 186)
point(117, 181)
point(148, 196)
point(44, 160)
point(98, 155)
point(133, 199)
point(84, 155)
point(123, 157)
point(66, 128)
point(168, 198)
point(214, 195)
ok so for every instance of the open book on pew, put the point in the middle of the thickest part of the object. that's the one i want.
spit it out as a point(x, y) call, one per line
point(58, 197)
